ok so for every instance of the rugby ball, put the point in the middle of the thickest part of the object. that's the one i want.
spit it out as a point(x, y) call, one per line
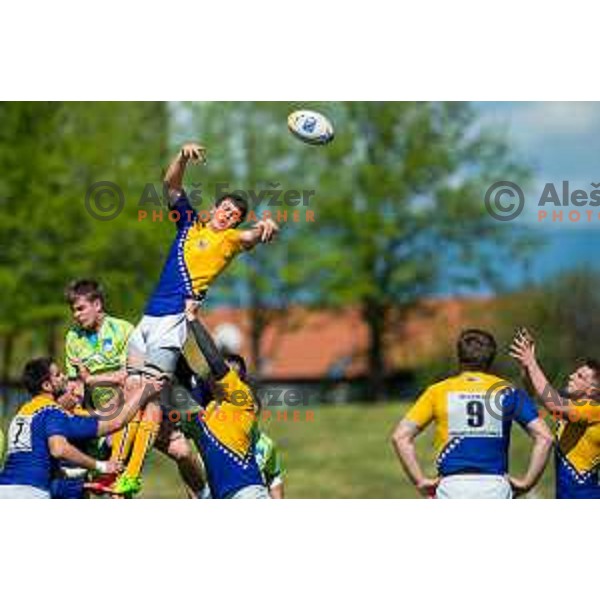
point(311, 127)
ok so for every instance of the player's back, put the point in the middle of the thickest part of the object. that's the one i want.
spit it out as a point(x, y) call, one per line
point(473, 413)
point(226, 433)
point(28, 459)
point(577, 454)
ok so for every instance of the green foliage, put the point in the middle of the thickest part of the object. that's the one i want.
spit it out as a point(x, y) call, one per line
point(345, 452)
point(50, 153)
point(564, 317)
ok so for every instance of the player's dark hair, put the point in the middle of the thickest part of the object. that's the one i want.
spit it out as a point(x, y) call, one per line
point(239, 363)
point(242, 370)
point(239, 201)
point(36, 373)
point(594, 365)
point(90, 289)
point(476, 350)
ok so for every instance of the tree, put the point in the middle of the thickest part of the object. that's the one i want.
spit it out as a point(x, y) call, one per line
point(50, 155)
point(404, 185)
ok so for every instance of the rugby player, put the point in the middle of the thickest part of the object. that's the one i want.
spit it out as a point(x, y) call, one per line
point(473, 413)
point(198, 255)
point(226, 431)
point(267, 454)
point(270, 465)
point(39, 434)
point(96, 354)
point(577, 414)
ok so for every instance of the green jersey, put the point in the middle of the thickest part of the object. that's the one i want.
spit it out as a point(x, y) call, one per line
point(100, 351)
point(269, 461)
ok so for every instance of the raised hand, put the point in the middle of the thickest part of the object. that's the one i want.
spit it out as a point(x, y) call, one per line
point(269, 229)
point(522, 348)
point(193, 152)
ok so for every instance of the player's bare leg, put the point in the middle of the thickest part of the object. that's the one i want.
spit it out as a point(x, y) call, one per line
point(176, 446)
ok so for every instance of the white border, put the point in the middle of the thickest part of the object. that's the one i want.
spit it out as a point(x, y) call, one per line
point(265, 50)
point(298, 549)
point(268, 50)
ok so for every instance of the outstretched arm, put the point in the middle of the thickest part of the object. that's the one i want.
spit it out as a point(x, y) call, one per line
point(263, 232)
point(118, 411)
point(523, 351)
point(174, 175)
point(214, 359)
point(62, 450)
point(134, 400)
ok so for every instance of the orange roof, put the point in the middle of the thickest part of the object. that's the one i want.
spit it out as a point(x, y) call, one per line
point(311, 344)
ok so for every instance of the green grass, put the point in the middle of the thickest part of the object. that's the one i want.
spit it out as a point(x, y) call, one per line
point(343, 453)
point(346, 453)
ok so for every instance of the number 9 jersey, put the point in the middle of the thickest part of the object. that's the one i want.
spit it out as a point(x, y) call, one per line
point(473, 413)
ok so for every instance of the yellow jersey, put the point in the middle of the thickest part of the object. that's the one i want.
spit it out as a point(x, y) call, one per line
point(197, 257)
point(473, 413)
point(577, 454)
point(226, 434)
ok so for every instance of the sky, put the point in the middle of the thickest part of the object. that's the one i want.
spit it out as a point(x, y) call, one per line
point(559, 141)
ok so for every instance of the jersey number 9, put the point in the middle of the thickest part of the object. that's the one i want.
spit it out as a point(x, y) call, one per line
point(475, 412)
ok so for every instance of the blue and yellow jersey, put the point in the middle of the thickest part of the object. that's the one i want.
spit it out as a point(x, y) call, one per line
point(28, 458)
point(1, 448)
point(577, 452)
point(102, 351)
point(473, 413)
point(269, 461)
point(225, 434)
point(196, 258)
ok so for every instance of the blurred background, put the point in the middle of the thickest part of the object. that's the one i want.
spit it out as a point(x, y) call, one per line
point(357, 307)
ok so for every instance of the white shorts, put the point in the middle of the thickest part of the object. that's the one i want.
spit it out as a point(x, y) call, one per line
point(155, 345)
point(22, 492)
point(474, 487)
point(251, 492)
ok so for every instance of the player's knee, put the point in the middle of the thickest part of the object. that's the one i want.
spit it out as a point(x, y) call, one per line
point(180, 449)
point(133, 382)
